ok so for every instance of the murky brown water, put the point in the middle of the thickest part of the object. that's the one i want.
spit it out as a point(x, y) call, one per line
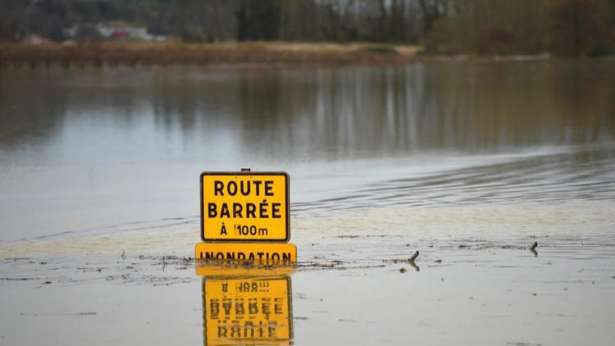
point(467, 162)
point(87, 149)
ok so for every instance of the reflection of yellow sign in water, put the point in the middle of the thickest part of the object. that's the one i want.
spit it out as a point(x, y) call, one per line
point(239, 311)
point(245, 206)
point(253, 253)
point(241, 270)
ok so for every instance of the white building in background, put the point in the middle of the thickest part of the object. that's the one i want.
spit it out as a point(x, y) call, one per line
point(117, 30)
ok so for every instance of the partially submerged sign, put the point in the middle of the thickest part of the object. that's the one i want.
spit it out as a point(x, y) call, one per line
point(245, 206)
point(245, 220)
point(270, 254)
point(247, 311)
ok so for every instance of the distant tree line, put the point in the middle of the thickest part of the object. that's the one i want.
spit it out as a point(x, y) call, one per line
point(563, 27)
point(223, 20)
point(569, 27)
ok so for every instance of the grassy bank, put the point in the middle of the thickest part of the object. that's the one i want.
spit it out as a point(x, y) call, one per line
point(132, 54)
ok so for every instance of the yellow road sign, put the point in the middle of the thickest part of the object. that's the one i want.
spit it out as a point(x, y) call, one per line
point(271, 254)
point(240, 311)
point(246, 206)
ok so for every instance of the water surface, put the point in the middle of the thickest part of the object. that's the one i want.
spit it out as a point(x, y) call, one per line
point(469, 163)
point(85, 149)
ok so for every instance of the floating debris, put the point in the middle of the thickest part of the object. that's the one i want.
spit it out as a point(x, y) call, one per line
point(533, 248)
point(15, 259)
point(350, 236)
point(519, 343)
point(19, 279)
point(416, 268)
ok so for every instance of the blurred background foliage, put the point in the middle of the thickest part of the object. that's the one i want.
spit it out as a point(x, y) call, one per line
point(561, 27)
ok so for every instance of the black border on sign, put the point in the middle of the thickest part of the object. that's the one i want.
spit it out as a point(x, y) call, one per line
point(287, 178)
point(275, 277)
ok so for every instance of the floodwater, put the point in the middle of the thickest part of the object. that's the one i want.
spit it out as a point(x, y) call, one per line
point(467, 162)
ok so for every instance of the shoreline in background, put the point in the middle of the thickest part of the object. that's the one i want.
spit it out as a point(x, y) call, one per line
point(176, 53)
point(112, 54)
